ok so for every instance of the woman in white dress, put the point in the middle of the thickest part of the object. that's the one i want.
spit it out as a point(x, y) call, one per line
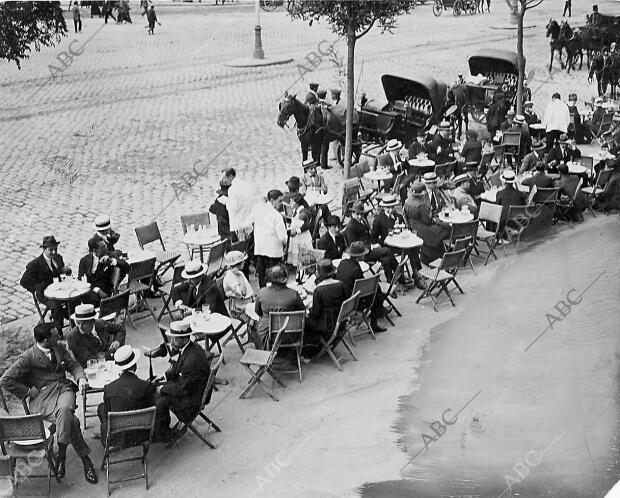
point(300, 231)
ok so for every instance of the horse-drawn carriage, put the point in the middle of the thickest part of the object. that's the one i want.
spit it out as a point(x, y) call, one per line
point(500, 72)
point(412, 104)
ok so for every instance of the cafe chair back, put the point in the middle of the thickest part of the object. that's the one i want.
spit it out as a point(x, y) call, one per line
point(293, 333)
point(347, 310)
point(367, 287)
point(115, 306)
point(189, 422)
point(391, 291)
point(166, 292)
point(139, 272)
point(215, 261)
point(119, 423)
point(38, 305)
point(516, 222)
point(491, 233)
point(258, 362)
point(440, 277)
point(546, 196)
point(26, 428)
point(563, 208)
point(149, 234)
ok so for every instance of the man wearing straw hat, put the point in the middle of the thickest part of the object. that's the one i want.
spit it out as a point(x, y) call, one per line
point(105, 233)
point(92, 337)
point(440, 148)
point(41, 272)
point(39, 374)
point(182, 386)
point(198, 290)
point(126, 393)
point(509, 195)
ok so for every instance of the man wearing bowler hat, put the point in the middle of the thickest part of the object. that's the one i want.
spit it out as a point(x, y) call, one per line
point(198, 289)
point(126, 393)
point(182, 386)
point(349, 270)
point(92, 337)
point(39, 375)
point(358, 230)
point(41, 272)
point(332, 241)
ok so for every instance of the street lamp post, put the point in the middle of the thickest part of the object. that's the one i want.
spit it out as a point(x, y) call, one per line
point(258, 44)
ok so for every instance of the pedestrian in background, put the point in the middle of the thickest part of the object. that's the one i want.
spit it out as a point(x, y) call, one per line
point(77, 18)
point(567, 6)
point(108, 7)
point(152, 19)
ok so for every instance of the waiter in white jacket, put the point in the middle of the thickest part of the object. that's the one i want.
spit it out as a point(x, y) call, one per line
point(556, 120)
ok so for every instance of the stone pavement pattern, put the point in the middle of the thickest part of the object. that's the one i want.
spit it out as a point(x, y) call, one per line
point(133, 113)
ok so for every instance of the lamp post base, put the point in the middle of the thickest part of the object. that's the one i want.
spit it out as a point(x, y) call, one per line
point(258, 44)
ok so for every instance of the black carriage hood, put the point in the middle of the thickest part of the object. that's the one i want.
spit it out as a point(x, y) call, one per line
point(494, 60)
point(398, 87)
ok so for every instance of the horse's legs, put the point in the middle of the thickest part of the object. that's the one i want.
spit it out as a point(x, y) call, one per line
point(324, 150)
point(304, 149)
point(551, 60)
point(316, 149)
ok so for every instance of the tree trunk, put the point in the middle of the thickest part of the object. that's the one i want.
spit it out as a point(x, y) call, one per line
point(348, 149)
point(519, 104)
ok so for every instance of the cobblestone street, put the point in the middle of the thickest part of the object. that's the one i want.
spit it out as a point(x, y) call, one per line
point(132, 113)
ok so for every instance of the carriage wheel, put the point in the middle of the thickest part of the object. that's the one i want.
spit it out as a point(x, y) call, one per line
point(437, 8)
point(269, 5)
point(478, 115)
point(473, 8)
point(457, 9)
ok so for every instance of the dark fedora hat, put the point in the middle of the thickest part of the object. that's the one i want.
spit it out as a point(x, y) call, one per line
point(357, 249)
point(360, 207)
point(324, 269)
point(49, 241)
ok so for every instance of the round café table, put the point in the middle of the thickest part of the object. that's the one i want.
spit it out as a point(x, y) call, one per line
point(138, 255)
point(67, 291)
point(363, 265)
point(202, 238)
point(210, 327)
point(455, 216)
point(378, 176)
point(576, 168)
point(537, 130)
point(403, 241)
point(424, 165)
point(97, 377)
point(317, 198)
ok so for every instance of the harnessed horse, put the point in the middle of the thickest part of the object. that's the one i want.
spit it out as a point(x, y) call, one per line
point(606, 68)
point(316, 126)
point(555, 45)
point(571, 42)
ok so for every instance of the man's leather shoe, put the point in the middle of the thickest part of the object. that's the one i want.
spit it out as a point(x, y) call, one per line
point(376, 328)
point(89, 471)
point(159, 352)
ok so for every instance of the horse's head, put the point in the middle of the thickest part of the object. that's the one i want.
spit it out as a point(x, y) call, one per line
point(286, 108)
point(553, 29)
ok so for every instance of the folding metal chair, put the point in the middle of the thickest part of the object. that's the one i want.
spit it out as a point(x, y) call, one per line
point(466, 243)
point(367, 287)
point(86, 413)
point(216, 258)
point(398, 273)
point(304, 254)
point(490, 213)
point(166, 292)
point(112, 307)
point(593, 193)
point(347, 309)
point(531, 195)
point(546, 196)
point(165, 259)
point(139, 271)
point(27, 428)
point(498, 156)
point(562, 208)
point(441, 276)
point(445, 170)
point(198, 220)
point(38, 305)
point(516, 222)
point(120, 423)
point(236, 324)
point(189, 422)
point(511, 143)
point(262, 361)
point(293, 334)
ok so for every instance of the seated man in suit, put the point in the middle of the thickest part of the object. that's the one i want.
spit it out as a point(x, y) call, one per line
point(540, 179)
point(358, 230)
point(98, 268)
point(349, 271)
point(418, 146)
point(126, 393)
point(39, 373)
point(530, 159)
point(198, 290)
point(509, 195)
point(41, 272)
point(529, 114)
point(564, 151)
point(332, 242)
point(392, 160)
point(183, 384)
point(567, 184)
point(421, 218)
point(473, 185)
point(91, 337)
point(509, 122)
point(381, 226)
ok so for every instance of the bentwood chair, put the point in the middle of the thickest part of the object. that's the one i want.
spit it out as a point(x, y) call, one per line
point(189, 422)
point(440, 277)
point(262, 361)
point(347, 310)
point(24, 460)
point(120, 423)
point(165, 259)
